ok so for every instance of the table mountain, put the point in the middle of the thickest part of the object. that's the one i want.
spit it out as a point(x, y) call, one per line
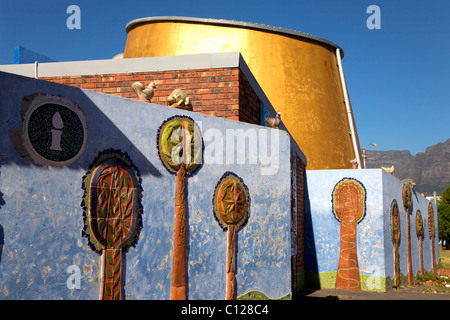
point(430, 170)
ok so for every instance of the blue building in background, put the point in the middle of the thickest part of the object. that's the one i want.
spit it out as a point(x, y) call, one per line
point(23, 55)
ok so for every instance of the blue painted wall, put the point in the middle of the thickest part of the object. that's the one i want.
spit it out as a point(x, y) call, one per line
point(41, 216)
point(392, 189)
point(375, 249)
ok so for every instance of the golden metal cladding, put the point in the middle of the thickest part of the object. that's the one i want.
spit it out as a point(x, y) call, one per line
point(299, 75)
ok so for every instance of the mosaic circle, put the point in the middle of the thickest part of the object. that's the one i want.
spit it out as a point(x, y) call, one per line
point(179, 141)
point(55, 133)
point(60, 125)
point(231, 201)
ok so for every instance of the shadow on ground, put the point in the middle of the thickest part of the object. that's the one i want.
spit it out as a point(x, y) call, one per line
point(419, 292)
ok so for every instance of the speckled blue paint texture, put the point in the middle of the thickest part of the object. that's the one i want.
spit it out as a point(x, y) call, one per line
point(41, 216)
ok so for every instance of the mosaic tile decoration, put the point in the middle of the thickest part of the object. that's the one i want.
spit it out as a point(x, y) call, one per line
point(170, 145)
point(349, 208)
point(419, 233)
point(349, 186)
point(395, 222)
point(395, 237)
point(180, 149)
point(54, 130)
point(431, 224)
point(407, 196)
point(231, 201)
point(86, 204)
point(41, 128)
point(431, 233)
point(112, 216)
point(419, 224)
point(407, 201)
point(231, 206)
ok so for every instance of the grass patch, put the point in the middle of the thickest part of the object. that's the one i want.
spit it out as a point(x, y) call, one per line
point(444, 258)
point(256, 295)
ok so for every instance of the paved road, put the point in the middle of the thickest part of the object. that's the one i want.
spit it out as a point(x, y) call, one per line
point(408, 293)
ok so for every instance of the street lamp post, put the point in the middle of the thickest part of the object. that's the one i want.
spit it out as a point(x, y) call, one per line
point(364, 153)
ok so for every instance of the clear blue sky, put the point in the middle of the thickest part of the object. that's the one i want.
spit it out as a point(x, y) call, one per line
point(398, 76)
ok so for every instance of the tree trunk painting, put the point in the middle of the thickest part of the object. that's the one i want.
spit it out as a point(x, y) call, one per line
point(112, 217)
point(180, 148)
point(431, 231)
point(349, 207)
point(178, 287)
point(419, 233)
point(231, 262)
point(395, 236)
point(231, 203)
point(407, 194)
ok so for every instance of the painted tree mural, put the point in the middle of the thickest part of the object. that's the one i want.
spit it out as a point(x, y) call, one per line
point(231, 204)
point(180, 148)
point(419, 233)
point(407, 198)
point(349, 208)
point(432, 232)
point(395, 236)
point(112, 210)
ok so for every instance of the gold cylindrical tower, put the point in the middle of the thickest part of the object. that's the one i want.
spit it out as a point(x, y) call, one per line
point(298, 72)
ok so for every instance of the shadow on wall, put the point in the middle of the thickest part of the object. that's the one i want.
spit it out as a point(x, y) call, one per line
point(2, 241)
point(311, 266)
point(2, 201)
point(2, 231)
point(101, 132)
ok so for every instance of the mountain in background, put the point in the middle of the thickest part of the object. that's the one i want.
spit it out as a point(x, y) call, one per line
point(430, 170)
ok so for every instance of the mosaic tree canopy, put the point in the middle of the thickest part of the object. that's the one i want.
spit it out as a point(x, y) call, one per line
point(395, 222)
point(349, 200)
point(111, 186)
point(231, 201)
point(112, 210)
point(419, 224)
point(407, 194)
point(179, 141)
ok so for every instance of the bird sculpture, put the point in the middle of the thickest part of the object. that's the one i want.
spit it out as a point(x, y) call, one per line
point(389, 170)
point(144, 93)
point(274, 122)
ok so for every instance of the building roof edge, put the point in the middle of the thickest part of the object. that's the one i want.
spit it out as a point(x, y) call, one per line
point(232, 23)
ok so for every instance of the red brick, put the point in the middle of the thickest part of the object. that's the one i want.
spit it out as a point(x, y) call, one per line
point(209, 97)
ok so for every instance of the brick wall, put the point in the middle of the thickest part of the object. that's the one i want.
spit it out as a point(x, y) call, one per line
point(249, 110)
point(220, 92)
point(300, 175)
point(298, 221)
